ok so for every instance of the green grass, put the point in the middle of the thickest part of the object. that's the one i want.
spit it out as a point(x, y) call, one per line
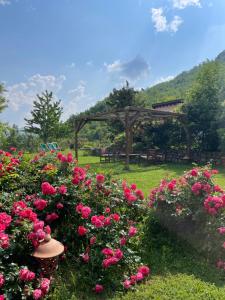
point(178, 271)
point(145, 176)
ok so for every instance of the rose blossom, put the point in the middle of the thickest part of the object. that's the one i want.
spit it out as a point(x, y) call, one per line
point(5, 220)
point(82, 230)
point(62, 189)
point(44, 286)
point(100, 178)
point(4, 240)
point(59, 205)
point(139, 276)
point(92, 240)
point(132, 231)
point(85, 257)
point(26, 275)
point(85, 212)
point(127, 284)
point(47, 189)
point(144, 270)
point(37, 294)
point(98, 288)
point(40, 204)
point(123, 241)
point(2, 280)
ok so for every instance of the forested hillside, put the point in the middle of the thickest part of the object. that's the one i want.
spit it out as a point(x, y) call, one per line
point(179, 87)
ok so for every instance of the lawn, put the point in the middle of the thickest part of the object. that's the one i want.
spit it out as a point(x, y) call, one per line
point(178, 271)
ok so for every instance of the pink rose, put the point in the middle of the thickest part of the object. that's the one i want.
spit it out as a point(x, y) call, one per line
point(2, 280)
point(132, 231)
point(107, 252)
point(38, 225)
point(62, 189)
point(92, 240)
point(51, 217)
point(85, 212)
point(4, 240)
point(85, 257)
point(194, 172)
point(44, 286)
point(98, 288)
point(81, 231)
point(123, 241)
point(139, 276)
point(47, 189)
point(127, 284)
point(133, 186)
point(144, 270)
point(26, 275)
point(100, 178)
point(5, 220)
point(40, 204)
point(37, 294)
point(59, 205)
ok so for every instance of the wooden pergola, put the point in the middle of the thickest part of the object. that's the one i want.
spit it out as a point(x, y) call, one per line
point(129, 116)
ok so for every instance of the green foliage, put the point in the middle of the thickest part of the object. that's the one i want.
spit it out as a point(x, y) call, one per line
point(204, 107)
point(45, 118)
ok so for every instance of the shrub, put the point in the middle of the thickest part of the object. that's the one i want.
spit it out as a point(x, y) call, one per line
point(193, 206)
point(95, 217)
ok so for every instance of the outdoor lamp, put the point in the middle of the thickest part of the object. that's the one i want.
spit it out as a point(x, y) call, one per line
point(47, 255)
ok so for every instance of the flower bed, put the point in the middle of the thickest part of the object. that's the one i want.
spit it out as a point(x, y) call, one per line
point(95, 217)
point(193, 206)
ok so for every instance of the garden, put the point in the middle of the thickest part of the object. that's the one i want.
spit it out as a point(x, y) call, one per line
point(159, 239)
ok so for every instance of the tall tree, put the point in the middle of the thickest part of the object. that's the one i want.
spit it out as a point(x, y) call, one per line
point(122, 97)
point(203, 108)
point(45, 118)
point(3, 101)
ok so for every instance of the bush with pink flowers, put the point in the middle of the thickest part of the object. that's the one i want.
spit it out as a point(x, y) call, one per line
point(194, 207)
point(95, 217)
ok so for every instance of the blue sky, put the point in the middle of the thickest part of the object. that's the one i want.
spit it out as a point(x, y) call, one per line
point(82, 49)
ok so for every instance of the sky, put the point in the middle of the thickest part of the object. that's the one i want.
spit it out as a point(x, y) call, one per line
point(82, 49)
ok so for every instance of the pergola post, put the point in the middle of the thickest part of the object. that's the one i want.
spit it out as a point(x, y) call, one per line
point(128, 141)
point(79, 124)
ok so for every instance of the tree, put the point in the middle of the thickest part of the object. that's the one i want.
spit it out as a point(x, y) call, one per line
point(3, 101)
point(203, 108)
point(122, 97)
point(45, 118)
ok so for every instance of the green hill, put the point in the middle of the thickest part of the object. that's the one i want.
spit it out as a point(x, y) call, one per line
point(174, 89)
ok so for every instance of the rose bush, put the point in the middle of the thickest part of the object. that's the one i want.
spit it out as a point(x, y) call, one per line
point(194, 207)
point(95, 217)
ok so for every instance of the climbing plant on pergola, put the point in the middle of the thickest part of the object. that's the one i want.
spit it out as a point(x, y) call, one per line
point(129, 116)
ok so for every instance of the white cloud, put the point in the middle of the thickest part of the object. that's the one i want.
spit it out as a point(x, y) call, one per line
point(181, 4)
point(24, 93)
point(116, 66)
point(175, 23)
point(79, 100)
point(4, 2)
point(132, 70)
point(160, 21)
